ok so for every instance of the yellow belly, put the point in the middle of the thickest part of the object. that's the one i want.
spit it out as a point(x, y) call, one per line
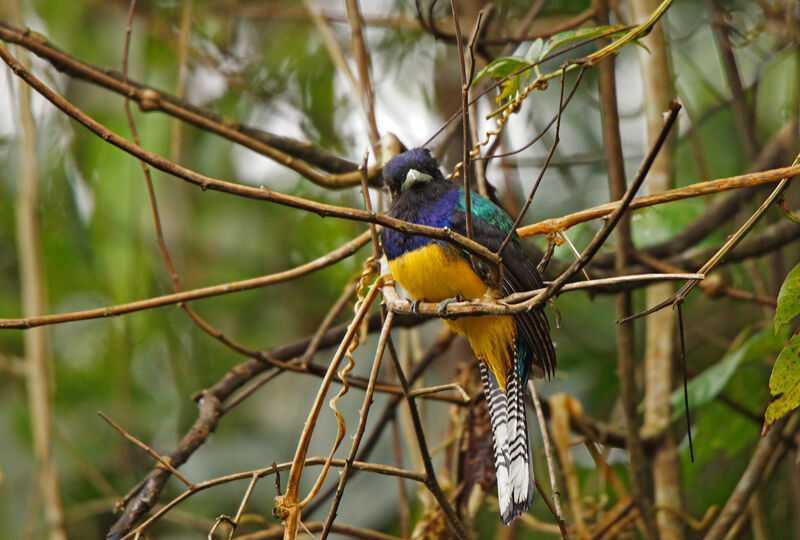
point(434, 273)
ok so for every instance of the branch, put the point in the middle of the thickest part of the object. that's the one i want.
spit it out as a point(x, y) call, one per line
point(560, 224)
point(385, 470)
point(522, 301)
point(362, 424)
point(430, 474)
point(753, 475)
point(176, 298)
point(289, 152)
point(262, 193)
point(287, 506)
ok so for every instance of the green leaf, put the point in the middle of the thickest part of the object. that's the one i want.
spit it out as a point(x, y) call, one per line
point(502, 67)
point(788, 299)
point(567, 36)
point(510, 88)
point(706, 386)
point(785, 381)
point(535, 51)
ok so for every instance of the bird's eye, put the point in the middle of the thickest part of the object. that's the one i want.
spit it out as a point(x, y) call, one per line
point(415, 177)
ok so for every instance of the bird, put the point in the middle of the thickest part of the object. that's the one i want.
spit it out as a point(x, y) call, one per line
point(509, 347)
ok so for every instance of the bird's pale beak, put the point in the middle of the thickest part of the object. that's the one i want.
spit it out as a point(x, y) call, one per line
point(415, 177)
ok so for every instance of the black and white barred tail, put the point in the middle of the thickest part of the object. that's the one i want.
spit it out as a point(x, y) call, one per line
point(515, 487)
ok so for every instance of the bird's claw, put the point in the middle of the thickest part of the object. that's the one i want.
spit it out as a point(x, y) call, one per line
point(415, 307)
point(442, 311)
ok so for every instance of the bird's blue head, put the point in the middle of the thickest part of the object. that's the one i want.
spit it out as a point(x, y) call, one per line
point(412, 168)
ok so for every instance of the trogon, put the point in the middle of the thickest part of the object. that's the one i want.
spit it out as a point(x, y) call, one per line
point(509, 347)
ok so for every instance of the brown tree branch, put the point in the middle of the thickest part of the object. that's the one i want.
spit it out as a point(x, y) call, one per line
point(753, 475)
point(694, 190)
point(289, 152)
point(261, 193)
point(33, 296)
point(626, 344)
point(175, 298)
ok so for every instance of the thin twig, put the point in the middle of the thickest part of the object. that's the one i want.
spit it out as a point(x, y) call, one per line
point(440, 388)
point(548, 452)
point(155, 455)
point(321, 262)
point(376, 245)
point(734, 239)
point(287, 506)
point(237, 518)
point(550, 153)
point(430, 473)
point(694, 190)
point(162, 244)
point(362, 421)
point(358, 49)
point(562, 527)
point(465, 84)
point(184, 31)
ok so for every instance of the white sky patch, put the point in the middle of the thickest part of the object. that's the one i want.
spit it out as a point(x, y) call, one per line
point(81, 191)
point(403, 114)
point(255, 169)
point(630, 104)
point(205, 84)
point(42, 109)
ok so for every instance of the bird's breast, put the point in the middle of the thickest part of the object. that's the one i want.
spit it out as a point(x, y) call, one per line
point(435, 272)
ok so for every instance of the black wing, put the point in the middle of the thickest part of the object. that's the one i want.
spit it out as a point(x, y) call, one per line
point(519, 274)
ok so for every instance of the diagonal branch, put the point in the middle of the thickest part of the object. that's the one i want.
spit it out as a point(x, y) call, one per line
point(261, 193)
point(175, 298)
point(292, 153)
point(694, 190)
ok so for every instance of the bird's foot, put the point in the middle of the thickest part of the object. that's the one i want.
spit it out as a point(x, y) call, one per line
point(415, 307)
point(442, 311)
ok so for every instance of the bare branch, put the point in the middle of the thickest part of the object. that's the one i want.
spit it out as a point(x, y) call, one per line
point(693, 190)
point(289, 152)
point(326, 260)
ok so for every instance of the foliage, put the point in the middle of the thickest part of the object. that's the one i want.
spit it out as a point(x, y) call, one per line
point(784, 383)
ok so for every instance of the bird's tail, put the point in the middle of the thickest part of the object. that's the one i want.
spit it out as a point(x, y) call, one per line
point(515, 487)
